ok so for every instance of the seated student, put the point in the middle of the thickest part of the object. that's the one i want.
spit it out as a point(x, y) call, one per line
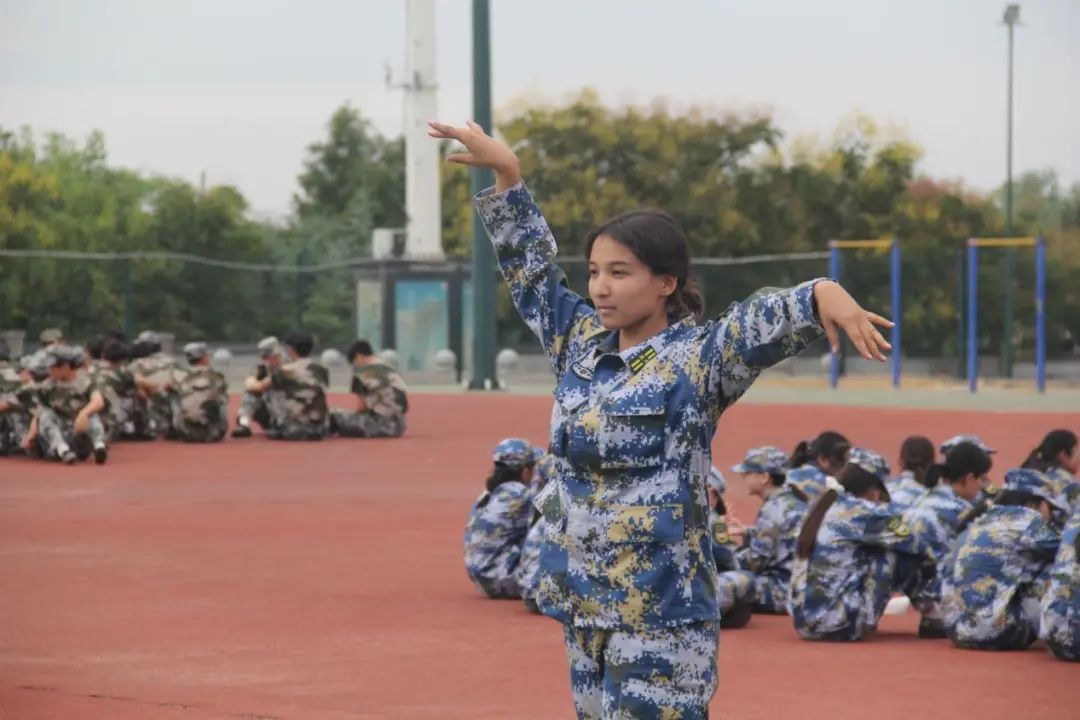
point(200, 410)
point(1058, 457)
point(735, 587)
point(1061, 602)
point(255, 406)
point(814, 461)
point(296, 402)
point(499, 521)
point(995, 578)
point(769, 544)
point(126, 415)
point(936, 517)
point(66, 425)
point(846, 558)
point(916, 457)
point(156, 373)
point(528, 569)
point(381, 398)
point(14, 418)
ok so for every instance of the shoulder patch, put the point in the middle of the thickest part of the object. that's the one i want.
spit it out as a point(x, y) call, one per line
point(991, 489)
point(639, 361)
point(720, 534)
point(898, 527)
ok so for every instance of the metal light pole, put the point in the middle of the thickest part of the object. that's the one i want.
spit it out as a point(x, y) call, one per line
point(1011, 19)
point(483, 257)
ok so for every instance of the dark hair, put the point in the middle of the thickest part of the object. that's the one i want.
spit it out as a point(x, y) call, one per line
point(777, 478)
point(360, 347)
point(301, 342)
point(829, 444)
point(504, 474)
point(856, 481)
point(657, 240)
point(1006, 498)
point(917, 455)
point(117, 335)
point(963, 459)
point(141, 350)
point(115, 351)
point(1044, 457)
point(94, 346)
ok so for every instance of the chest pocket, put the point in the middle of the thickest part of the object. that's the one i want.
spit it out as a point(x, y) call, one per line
point(633, 430)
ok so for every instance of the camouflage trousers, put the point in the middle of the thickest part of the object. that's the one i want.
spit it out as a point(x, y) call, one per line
point(735, 594)
point(185, 430)
point(770, 594)
point(366, 424)
point(663, 673)
point(1020, 628)
point(270, 412)
point(159, 411)
point(56, 436)
point(129, 423)
point(1064, 647)
point(13, 428)
point(528, 569)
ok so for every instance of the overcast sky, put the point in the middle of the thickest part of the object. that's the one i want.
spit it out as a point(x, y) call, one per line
point(238, 88)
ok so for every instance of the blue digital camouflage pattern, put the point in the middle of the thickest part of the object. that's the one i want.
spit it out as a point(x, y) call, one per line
point(841, 590)
point(496, 529)
point(716, 480)
point(1039, 484)
point(1068, 491)
point(935, 517)
point(769, 549)
point(809, 479)
point(528, 570)
point(997, 576)
point(871, 461)
point(1061, 602)
point(629, 535)
point(764, 459)
point(668, 673)
point(952, 442)
point(514, 452)
point(905, 490)
point(733, 586)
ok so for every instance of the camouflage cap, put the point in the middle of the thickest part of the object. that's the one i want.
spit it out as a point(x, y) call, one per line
point(538, 453)
point(35, 363)
point(514, 452)
point(149, 337)
point(764, 459)
point(870, 461)
point(269, 345)
point(56, 354)
point(51, 335)
point(196, 350)
point(716, 480)
point(973, 439)
point(1039, 484)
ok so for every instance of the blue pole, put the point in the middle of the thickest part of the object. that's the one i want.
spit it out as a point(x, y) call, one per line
point(1040, 314)
point(973, 315)
point(834, 273)
point(894, 275)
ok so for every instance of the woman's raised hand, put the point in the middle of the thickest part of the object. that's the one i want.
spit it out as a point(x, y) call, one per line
point(482, 150)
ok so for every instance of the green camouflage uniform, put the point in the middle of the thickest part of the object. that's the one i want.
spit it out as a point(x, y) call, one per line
point(385, 395)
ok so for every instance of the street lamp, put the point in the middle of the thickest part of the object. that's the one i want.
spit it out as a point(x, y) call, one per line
point(1011, 19)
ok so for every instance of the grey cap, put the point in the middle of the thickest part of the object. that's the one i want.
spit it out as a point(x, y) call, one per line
point(56, 354)
point(149, 337)
point(269, 345)
point(196, 350)
point(35, 362)
point(51, 335)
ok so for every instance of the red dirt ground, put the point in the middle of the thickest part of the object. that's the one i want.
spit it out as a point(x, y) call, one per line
point(256, 579)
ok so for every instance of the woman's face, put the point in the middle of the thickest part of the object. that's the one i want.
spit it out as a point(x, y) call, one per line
point(625, 291)
point(969, 486)
point(757, 483)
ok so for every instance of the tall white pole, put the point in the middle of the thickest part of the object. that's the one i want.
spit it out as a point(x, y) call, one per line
point(422, 196)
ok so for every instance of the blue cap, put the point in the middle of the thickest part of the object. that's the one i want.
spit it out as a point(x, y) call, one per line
point(764, 459)
point(870, 461)
point(973, 439)
point(1035, 483)
point(514, 452)
point(716, 480)
point(538, 453)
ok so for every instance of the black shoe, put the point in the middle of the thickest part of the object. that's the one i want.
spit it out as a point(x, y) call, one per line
point(737, 617)
point(241, 431)
point(531, 606)
point(101, 454)
point(932, 630)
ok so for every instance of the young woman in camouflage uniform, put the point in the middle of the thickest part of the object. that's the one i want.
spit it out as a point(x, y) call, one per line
point(66, 424)
point(628, 568)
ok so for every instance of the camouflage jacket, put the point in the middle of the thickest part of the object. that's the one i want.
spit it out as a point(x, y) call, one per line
point(160, 369)
point(905, 490)
point(9, 381)
point(382, 389)
point(808, 478)
point(203, 396)
point(629, 543)
point(1005, 551)
point(117, 386)
point(841, 590)
point(1061, 603)
point(302, 384)
point(66, 399)
point(934, 517)
point(494, 534)
point(769, 546)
